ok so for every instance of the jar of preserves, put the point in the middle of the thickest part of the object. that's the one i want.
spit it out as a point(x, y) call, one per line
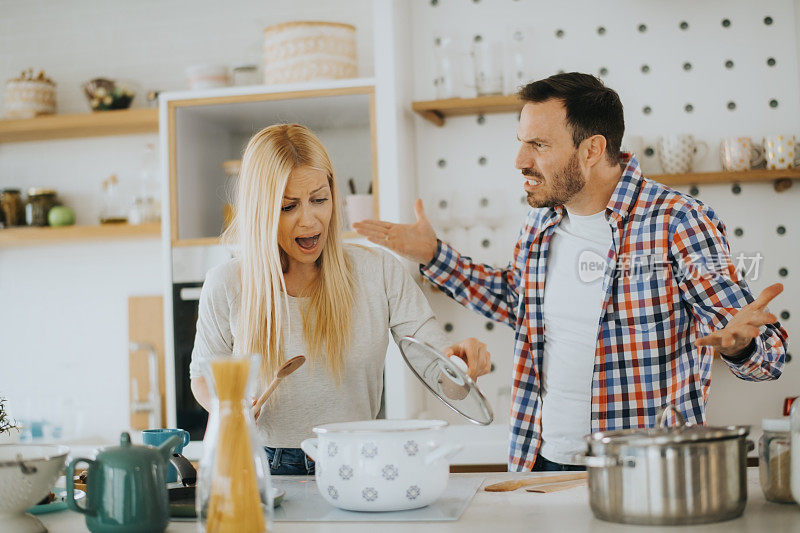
point(12, 207)
point(39, 203)
point(774, 460)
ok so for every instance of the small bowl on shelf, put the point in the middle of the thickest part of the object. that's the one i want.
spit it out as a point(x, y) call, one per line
point(106, 95)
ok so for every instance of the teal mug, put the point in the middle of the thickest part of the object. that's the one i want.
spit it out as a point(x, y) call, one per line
point(156, 437)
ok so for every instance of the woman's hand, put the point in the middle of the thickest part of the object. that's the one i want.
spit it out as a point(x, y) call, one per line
point(255, 411)
point(474, 352)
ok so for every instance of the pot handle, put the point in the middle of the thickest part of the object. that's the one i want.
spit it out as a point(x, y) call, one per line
point(70, 487)
point(592, 461)
point(661, 417)
point(445, 451)
point(311, 447)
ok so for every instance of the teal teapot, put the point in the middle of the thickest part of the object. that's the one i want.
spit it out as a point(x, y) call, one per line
point(126, 487)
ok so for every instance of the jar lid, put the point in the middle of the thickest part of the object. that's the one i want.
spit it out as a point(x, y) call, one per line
point(244, 67)
point(232, 166)
point(40, 192)
point(11, 191)
point(775, 424)
point(665, 434)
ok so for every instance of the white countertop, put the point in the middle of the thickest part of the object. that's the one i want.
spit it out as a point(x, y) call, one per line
point(519, 511)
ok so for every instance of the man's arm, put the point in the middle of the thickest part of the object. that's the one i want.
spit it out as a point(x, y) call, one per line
point(751, 341)
point(493, 292)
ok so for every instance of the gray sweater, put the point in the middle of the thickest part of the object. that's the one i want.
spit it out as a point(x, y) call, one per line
point(386, 300)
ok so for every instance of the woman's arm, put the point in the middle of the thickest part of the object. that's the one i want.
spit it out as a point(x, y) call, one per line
point(201, 394)
point(410, 314)
point(214, 337)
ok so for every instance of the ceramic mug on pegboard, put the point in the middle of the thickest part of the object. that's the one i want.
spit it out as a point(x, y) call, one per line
point(780, 151)
point(678, 153)
point(739, 153)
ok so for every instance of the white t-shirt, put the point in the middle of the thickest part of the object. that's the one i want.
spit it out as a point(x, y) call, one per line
point(572, 304)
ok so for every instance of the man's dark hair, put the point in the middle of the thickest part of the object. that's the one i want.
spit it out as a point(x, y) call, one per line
point(592, 108)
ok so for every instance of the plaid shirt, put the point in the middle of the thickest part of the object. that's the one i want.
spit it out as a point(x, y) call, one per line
point(669, 280)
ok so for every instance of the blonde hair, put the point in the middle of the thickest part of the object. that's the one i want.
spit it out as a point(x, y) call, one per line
point(268, 161)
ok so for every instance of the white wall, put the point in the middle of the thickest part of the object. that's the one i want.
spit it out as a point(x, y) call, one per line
point(63, 309)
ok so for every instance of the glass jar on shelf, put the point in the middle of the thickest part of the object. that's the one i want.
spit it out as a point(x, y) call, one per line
point(146, 206)
point(40, 201)
point(113, 209)
point(12, 207)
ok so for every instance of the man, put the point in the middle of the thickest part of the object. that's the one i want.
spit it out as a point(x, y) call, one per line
point(606, 351)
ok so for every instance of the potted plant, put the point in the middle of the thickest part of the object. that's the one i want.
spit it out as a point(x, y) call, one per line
point(9, 431)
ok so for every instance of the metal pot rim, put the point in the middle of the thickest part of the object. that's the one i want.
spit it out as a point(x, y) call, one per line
point(662, 436)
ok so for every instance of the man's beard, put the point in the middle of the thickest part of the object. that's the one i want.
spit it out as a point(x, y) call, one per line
point(562, 185)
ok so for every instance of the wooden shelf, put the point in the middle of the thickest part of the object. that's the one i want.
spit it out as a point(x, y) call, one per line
point(213, 241)
point(779, 177)
point(437, 110)
point(99, 123)
point(30, 236)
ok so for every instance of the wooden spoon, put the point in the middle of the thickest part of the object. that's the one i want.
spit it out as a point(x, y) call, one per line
point(286, 368)
point(514, 484)
point(555, 487)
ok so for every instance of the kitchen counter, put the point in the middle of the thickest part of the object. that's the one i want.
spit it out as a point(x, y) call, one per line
point(519, 511)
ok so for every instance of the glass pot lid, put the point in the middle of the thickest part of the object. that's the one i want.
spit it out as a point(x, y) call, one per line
point(446, 380)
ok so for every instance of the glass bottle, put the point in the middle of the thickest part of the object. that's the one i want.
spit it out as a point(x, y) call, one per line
point(146, 206)
point(233, 483)
point(112, 210)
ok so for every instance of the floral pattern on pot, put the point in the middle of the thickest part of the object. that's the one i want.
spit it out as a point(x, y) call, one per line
point(369, 494)
point(411, 448)
point(389, 472)
point(345, 472)
point(369, 450)
point(332, 492)
point(332, 449)
point(413, 492)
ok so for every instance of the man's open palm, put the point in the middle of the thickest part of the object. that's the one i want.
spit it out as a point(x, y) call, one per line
point(416, 242)
point(744, 326)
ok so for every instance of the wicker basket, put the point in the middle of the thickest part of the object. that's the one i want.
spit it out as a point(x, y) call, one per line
point(308, 51)
point(28, 97)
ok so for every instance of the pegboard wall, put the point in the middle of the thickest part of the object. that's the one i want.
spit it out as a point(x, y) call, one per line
point(712, 69)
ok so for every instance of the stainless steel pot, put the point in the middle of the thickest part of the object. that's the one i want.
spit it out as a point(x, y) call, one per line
point(668, 475)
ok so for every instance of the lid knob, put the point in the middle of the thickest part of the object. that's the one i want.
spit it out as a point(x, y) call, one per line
point(125, 439)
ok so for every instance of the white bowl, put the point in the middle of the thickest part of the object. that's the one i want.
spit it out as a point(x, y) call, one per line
point(27, 473)
point(381, 465)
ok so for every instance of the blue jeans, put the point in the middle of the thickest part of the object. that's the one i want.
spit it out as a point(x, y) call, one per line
point(289, 462)
point(543, 465)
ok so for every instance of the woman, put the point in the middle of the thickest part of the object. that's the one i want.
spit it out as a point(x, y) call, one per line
point(295, 288)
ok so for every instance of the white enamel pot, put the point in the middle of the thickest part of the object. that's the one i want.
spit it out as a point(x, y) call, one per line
point(381, 465)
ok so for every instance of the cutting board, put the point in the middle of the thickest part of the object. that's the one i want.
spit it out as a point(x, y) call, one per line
point(304, 503)
point(146, 325)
